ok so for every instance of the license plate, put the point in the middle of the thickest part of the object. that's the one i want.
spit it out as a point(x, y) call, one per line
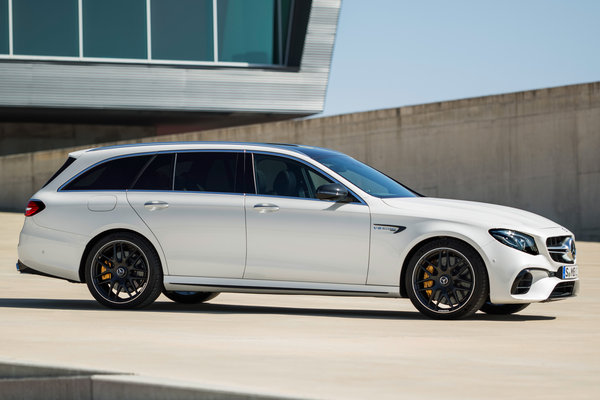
point(569, 272)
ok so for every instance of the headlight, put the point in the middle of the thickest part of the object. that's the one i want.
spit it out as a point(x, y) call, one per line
point(516, 240)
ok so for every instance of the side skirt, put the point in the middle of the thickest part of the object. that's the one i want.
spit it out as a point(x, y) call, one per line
point(186, 283)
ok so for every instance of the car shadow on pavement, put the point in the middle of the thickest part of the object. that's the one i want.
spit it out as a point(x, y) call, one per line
point(211, 308)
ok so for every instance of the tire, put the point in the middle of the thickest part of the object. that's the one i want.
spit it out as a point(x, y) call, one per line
point(189, 297)
point(446, 279)
point(502, 309)
point(123, 271)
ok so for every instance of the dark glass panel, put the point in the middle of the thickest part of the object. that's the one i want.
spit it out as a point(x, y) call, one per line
point(4, 27)
point(114, 29)
point(46, 28)
point(246, 31)
point(158, 175)
point(182, 30)
point(280, 176)
point(207, 172)
point(112, 175)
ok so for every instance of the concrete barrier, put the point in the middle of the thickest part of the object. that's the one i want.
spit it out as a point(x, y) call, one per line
point(32, 382)
point(536, 150)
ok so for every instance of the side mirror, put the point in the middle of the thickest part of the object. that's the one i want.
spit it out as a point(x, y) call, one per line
point(332, 191)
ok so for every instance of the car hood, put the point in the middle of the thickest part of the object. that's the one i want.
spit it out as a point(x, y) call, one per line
point(473, 213)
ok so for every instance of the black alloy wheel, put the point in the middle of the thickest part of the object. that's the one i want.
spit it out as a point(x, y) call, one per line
point(446, 279)
point(502, 309)
point(189, 297)
point(123, 271)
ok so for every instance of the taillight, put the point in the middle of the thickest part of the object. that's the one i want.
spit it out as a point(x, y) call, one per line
point(34, 207)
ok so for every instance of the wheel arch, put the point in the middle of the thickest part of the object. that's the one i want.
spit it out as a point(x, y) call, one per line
point(423, 242)
point(102, 234)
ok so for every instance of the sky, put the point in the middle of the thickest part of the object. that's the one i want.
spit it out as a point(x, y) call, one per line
point(392, 53)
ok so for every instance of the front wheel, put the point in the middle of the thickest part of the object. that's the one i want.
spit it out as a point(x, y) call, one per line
point(502, 309)
point(123, 270)
point(189, 297)
point(446, 279)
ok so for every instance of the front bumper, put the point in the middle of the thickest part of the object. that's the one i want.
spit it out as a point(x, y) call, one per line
point(505, 264)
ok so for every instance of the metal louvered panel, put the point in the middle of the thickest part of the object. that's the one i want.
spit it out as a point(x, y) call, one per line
point(81, 85)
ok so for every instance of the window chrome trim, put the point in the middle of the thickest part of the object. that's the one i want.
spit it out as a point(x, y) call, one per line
point(246, 151)
point(149, 153)
point(316, 168)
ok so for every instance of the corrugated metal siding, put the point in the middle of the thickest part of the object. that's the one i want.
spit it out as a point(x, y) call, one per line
point(153, 87)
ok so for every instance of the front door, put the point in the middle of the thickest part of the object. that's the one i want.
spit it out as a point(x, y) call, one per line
point(293, 236)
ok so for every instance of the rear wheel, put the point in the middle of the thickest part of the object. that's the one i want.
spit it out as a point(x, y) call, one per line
point(123, 271)
point(446, 279)
point(502, 309)
point(189, 297)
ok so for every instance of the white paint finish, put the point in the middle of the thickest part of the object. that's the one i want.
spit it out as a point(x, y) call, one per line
point(201, 234)
point(307, 240)
point(102, 203)
point(298, 241)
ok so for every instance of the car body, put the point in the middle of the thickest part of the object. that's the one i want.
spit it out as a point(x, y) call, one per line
point(273, 218)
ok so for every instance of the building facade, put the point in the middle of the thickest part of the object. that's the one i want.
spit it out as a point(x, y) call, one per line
point(162, 64)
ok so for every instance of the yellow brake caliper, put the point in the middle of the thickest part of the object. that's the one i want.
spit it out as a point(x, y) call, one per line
point(428, 284)
point(103, 269)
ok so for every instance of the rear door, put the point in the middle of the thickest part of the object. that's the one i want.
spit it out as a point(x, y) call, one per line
point(194, 204)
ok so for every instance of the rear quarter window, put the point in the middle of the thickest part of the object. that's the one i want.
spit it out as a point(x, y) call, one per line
point(117, 174)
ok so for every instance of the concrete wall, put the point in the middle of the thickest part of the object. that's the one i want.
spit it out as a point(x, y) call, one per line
point(27, 137)
point(537, 150)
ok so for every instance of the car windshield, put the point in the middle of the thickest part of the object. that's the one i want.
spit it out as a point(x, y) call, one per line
point(366, 178)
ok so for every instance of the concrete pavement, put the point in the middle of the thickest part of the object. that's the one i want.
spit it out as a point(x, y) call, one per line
point(308, 346)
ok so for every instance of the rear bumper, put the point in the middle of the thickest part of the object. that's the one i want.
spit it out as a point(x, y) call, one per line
point(50, 252)
point(24, 269)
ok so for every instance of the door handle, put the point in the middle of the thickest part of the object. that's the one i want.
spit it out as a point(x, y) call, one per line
point(266, 207)
point(156, 205)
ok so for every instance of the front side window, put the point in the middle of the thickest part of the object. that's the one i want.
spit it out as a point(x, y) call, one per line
point(280, 176)
point(208, 172)
point(115, 174)
point(366, 178)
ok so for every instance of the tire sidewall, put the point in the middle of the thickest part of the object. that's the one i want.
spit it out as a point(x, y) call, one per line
point(153, 285)
point(480, 289)
point(197, 297)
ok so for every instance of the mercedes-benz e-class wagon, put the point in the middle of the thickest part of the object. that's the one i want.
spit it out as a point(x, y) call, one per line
point(191, 220)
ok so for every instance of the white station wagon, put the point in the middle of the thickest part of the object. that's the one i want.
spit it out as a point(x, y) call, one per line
point(191, 220)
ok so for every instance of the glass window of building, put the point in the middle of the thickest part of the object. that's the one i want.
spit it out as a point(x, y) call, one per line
point(182, 30)
point(4, 46)
point(114, 29)
point(45, 28)
point(246, 31)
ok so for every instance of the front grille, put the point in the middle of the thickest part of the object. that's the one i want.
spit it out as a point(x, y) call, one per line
point(560, 250)
point(563, 289)
point(555, 241)
point(522, 283)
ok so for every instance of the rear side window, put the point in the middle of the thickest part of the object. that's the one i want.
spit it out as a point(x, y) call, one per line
point(116, 174)
point(158, 175)
point(208, 172)
point(60, 170)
